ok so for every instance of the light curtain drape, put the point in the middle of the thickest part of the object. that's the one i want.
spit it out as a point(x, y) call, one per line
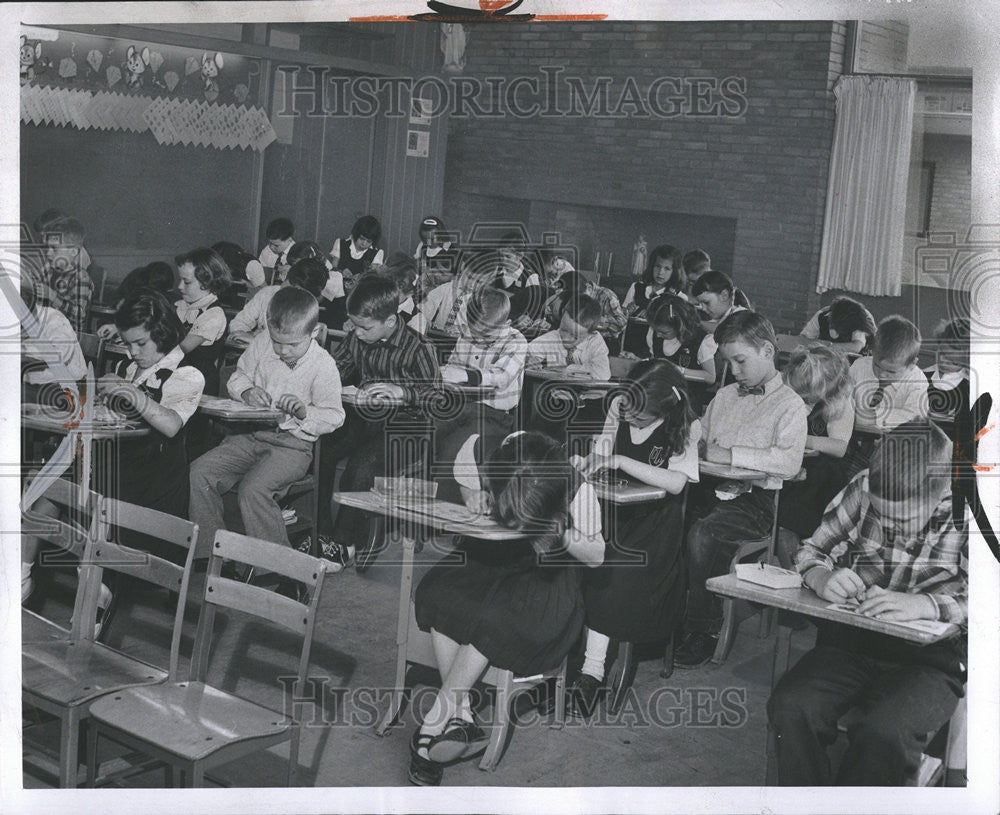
point(862, 248)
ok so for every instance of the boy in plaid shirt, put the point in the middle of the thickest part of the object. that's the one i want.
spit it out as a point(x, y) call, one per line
point(888, 544)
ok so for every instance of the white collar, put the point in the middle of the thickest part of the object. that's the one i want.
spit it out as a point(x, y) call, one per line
point(641, 434)
point(670, 347)
point(184, 307)
point(170, 361)
point(947, 382)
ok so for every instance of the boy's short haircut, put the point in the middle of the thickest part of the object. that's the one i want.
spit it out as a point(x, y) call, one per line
point(310, 274)
point(45, 222)
point(583, 310)
point(367, 226)
point(897, 339)
point(67, 232)
point(280, 229)
point(488, 308)
point(293, 310)
point(210, 269)
point(714, 282)
point(696, 261)
point(746, 326)
point(512, 239)
point(301, 250)
point(151, 310)
point(374, 297)
point(912, 460)
point(401, 268)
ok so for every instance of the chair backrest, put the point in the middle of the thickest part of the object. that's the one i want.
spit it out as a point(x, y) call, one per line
point(106, 552)
point(321, 334)
point(298, 617)
point(76, 520)
point(225, 372)
point(93, 349)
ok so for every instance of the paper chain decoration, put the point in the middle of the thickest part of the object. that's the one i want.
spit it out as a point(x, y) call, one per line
point(171, 121)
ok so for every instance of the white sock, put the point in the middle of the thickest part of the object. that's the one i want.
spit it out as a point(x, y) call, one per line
point(597, 650)
point(465, 708)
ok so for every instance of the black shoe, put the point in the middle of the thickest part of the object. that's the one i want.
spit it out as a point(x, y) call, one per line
point(582, 696)
point(695, 650)
point(423, 772)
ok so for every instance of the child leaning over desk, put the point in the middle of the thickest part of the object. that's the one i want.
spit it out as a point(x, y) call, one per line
point(887, 545)
point(282, 368)
point(757, 423)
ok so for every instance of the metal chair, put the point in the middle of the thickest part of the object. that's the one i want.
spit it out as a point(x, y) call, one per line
point(64, 677)
point(93, 349)
point(191, 725)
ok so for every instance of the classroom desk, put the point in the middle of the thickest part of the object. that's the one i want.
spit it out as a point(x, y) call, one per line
point(729, 472)
point(805, 601)
point(112, 349)
point(99, 314)
point(439, 515)
point(787, 343)
point(232, 410)
point(45, 419)
point(558, 374)
point(349, 394)
point(629, 492)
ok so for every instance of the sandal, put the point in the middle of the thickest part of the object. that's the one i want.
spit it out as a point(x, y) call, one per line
point(460, 741)
point(423, 772)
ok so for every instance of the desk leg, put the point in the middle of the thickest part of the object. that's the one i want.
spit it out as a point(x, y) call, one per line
point(779, 665)
point(402, 635)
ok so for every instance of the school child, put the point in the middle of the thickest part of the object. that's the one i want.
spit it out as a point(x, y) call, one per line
point(664, 273)
point(274, 256)
point(554, 265)
point(515, 605)
point(488, 352)
point(444, 307)
point(309, 274)
point(518, 274)
point(613, 320)
point(819, 376)
point(887, 389)
point(351, 257)
point(203, 276)
point(757, 423)
point(243, 268)
point(68, 287)
point(650, 435)
point(887, 545)
point(435, 255)
point(576, 345)
point(286, 369)
point(301, 250)
point(398, 378)
point(846, 321)
point(157, 276)
point(717, 298)
point(50, 350)
point(696, 262)
point(402, 270)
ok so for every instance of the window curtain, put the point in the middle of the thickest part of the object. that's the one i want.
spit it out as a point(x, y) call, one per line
point(862, 248)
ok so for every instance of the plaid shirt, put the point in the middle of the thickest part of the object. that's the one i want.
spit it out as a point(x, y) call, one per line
point(403, 358)
point(499, 363)
point(613, 319)
point(70, 291)
point(933, 561)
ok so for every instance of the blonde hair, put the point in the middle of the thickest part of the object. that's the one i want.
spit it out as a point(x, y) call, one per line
point(819, 376)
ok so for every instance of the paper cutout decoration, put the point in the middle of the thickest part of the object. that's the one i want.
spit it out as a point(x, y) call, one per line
point(191, 66)
point(155, 61)
point(240, 93)
point(170, 79)
point(67, 68)
point(114, 74)
point(94, 59)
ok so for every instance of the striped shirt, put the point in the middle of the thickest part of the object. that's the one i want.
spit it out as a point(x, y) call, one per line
point(403, 358)
point(499, 363)
point(933, 561)
point(902, 400)
point(613, 319)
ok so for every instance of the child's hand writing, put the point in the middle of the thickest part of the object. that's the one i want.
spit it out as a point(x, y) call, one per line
point(838, 586)
point(479, 502)
point(897, 605)
point(381, 391)
point(256, 397)
point(292, 405)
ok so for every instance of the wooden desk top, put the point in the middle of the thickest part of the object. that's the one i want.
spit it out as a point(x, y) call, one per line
point(442, 515)
point(235, 411)
point(631, 492)
point(349, 393)
point(789, 342)
point(806, 601)
point(51, 420)
point(551, 374)
point(729, 472)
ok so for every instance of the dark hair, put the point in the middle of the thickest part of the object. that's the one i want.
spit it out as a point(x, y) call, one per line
point(137, 279)
point(367, 226)
point(151, 310)
point(210, 269)
point(953, 337)
point(666, 251)
point(714, 282)
point(235, 257)
point(44, 222)
point(847, 315)
point(160, 276)
point(581, 309)
point(529, 479)
point(310, 274)
point(912, 457)
point(280, 229)
point(746, 326)
point(292, 308)
point(659, 386)
point(897, 339)
point(697, 261)
point(373, 297)
point(67, 231)
point(401, 268)
point(674, 312)
point(573, 282)
point(301, 250)
point(488, 307)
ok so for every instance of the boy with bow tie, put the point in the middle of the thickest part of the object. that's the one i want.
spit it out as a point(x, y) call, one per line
point(756, 423)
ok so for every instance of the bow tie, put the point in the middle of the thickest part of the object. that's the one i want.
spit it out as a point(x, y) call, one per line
point(755, 390)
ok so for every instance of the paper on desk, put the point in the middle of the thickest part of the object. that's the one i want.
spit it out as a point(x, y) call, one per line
point(929, 626)
point(444, 511)
point(765, 574)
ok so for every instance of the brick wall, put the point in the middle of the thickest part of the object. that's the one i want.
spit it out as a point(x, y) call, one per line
point(766, 169)
point(951, 197)
point(881, 46)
